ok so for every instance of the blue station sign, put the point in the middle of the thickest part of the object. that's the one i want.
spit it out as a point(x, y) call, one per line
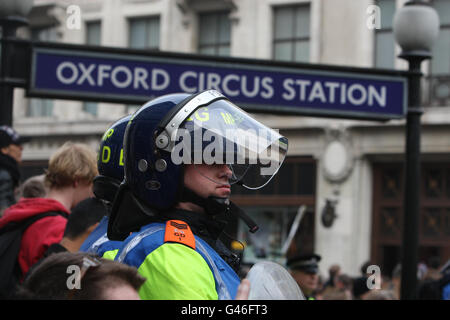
point(134, 77)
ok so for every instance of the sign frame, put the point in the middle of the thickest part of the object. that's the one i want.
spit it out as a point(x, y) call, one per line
point(218, 62)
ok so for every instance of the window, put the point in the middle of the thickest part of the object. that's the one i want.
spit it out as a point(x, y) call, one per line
point(93, 33)
point(384, 37)
point(93, 37)
point(439, 79)
point(440, 64)
point(41, 107)
point(214, 34)
point(144, 33)
point(274, 208)
point(283, 184)
point(291, 33)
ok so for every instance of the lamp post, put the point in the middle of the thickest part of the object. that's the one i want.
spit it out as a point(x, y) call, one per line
point(12, 16)
point(416, 26)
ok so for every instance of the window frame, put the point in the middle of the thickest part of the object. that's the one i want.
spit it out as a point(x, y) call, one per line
point(382, 30)
point(217, 45)
point(146, 19)
point(294, 40)
point(445, 26)
point(91, 107)
point(262, 199)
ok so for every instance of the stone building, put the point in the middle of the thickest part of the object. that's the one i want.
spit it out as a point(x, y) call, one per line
point(352, 168)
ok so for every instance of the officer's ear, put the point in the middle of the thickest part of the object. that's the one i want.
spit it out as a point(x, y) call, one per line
point(127, 214)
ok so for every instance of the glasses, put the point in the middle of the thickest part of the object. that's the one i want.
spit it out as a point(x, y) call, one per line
point(88, 263)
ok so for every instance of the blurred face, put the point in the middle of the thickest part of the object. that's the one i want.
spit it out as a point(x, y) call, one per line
point(308, 282)
point(14, 151)
point(208, 180)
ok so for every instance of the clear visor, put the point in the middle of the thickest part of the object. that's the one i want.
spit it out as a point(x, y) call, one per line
point(222, 133)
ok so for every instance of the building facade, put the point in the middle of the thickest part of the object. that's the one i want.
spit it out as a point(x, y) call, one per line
point(347, 168)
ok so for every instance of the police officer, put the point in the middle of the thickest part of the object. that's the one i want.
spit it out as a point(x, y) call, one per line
point(10, 158)
point(182, 155)
point(110, 167)
point(305, 270)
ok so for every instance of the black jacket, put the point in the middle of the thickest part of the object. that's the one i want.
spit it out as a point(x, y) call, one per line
point(9, 180)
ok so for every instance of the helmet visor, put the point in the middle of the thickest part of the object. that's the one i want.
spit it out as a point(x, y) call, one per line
point(222, 133)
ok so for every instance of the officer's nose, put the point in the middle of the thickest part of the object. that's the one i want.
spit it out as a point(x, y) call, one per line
point(226, 171)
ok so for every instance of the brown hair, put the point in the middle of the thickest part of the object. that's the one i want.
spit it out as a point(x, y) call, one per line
point(71, 162)
point(49, 279)
point(34, 187)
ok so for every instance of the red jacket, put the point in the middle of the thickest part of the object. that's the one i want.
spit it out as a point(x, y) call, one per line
point(41, 234)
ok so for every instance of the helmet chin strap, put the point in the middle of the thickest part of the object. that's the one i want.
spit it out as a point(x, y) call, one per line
point(218, 205)
point(212, 205)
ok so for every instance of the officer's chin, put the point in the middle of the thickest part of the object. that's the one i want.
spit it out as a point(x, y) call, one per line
point(223, 191)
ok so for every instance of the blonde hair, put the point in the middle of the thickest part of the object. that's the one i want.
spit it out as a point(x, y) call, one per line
point(71, 162)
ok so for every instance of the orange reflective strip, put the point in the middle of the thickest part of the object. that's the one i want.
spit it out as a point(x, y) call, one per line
point(178, 231)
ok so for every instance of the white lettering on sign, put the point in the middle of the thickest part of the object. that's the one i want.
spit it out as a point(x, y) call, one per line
point(325, 92)
point(103, 73)
point(291, 90)
point(119, 76)
point(63, 78)
point(160, 74)
point(86, 74)
point(231, 85)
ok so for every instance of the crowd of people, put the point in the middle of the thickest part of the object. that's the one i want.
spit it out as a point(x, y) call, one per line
point(128, 222)
point(433, 280)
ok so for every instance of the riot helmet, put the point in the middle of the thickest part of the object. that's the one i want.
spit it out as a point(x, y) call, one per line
point(176, 130)
point(110, 162)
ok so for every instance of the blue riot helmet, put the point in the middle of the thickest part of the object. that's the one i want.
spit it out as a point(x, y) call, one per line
point(110, 162)
point(178, 129)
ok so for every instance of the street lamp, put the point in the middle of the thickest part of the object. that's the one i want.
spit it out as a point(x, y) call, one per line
point(416, 26)
point(12, 16)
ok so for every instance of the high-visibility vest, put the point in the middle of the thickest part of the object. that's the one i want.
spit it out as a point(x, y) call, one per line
point(177, 264)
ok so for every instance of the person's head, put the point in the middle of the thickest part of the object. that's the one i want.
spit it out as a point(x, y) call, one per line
point(305, 270)
point(110, 161)
point(360, 288)
point(34, 187)
point(83, 219)
point(11, 143)
point(379, 294)
point(337, 295)
point(434, 262)
point(72, 166)
point(343, 282)
point(189, 149)
point(334, 271)
point(81, 276)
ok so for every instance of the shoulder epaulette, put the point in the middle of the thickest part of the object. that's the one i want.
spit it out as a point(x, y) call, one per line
point(179, 232)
